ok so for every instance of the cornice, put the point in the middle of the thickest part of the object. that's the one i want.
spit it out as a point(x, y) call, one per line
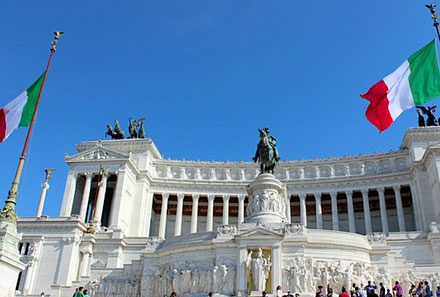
point(420, 133)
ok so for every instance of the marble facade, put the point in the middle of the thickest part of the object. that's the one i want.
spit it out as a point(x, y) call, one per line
point(163, 225)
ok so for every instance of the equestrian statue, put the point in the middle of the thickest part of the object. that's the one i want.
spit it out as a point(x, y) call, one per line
point(267, 152)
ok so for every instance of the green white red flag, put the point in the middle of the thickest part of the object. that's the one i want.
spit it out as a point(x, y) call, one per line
point(18, 112)
point(415, 82)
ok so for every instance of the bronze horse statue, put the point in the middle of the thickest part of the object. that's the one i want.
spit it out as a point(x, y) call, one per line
point(267, 153)
point(115, 133)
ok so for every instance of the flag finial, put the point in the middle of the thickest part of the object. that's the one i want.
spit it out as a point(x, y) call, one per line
point(54, 43)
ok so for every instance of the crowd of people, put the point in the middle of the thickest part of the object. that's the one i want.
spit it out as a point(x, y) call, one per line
point(371, 290)
point(423, 289)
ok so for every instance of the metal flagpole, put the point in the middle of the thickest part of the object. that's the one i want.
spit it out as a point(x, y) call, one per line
point(8, 213)
point(432, 8)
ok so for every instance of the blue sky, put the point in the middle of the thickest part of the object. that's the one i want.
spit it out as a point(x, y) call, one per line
point(205, 74)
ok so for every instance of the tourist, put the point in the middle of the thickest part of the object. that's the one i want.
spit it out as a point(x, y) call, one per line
point(264, 294)
point(359, 293)
point(289, 294)
point(80, 292)
point(412, 291)
point(370, 287)
point(373, 293)
point(297, 295)
point(398, 289)
point(42, 294)
point(320, 292)
point(344, 293)
point(382, 291)
point(428, 292)
point(437, 293)
point(353, 290)
point(388, 293)
point(279, 293)
point(173, 294)
point(76, 292)
point(86, 293)
point(210, 294)
point(419, 291)
point(329, 291)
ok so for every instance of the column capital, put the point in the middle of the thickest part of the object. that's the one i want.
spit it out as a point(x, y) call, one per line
point(364, 191)
point(302, 196)
point(241, 197)
point(211, 197)
point(195, 197)
point(74, 174)
point(165, 196)
point(349, 192)
point(318, 196)
point(333, 194)
point(397, 187)
point(180, 196)
point(380, 189)
point(226, 197)
point(45, 185)
point(89, 174)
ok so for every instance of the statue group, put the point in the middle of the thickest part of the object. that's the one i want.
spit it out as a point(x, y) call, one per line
point(430, 118)
point(267, 152)
point(135, 129)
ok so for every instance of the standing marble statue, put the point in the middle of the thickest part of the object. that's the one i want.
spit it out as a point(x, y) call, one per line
point(259, 268)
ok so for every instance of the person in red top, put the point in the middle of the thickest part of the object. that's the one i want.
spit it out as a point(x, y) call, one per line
point(344, 293)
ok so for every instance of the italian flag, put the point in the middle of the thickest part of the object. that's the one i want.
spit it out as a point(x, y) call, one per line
point(415, 82)
point(19, 112)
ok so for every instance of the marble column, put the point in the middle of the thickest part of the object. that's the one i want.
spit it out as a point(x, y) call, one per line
point(367, 216)
point(194, 213)
point(335, 215)
point(85, 197)
point(276, 267)
point(318, 210)
point(85, 264)
point(100, 200)
point(383, 210)
point(225, 218)
point(400, 214)
point(45, 187)
point(148, 211)
point(69, 194)
point(242, 271)
point(210, 214)
point(351, 224)
point(27, 281)
point(288, 210)
point(302, 202)
point(178, 226)
point(416, 207)
point(163, 215)
point(241, 208)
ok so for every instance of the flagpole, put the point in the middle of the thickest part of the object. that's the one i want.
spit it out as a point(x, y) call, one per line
point(8, 213)
point(432, 8)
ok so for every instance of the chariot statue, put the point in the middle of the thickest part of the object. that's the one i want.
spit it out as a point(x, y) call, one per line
point(267, 152)
point(429, 112)
point(133, 128)
point(116, 132)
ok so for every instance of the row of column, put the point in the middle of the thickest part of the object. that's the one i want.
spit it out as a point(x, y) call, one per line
point(194, 213)
point(102, 187)
point(351, 219)
point(303, 211)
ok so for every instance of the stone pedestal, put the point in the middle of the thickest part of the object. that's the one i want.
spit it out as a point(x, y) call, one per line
point(10, 264)
point(267, 200)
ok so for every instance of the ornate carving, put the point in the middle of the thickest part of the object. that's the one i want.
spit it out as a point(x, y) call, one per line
point(376, 238)
point(226, 231)
point(153, 241)
point(294, 229)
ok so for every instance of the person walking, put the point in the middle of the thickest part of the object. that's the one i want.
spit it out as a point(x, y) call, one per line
point(76, 292)
point(419, 290)
point(382, 291)
point(412, 292)
point(86, 293)
point(428, 292)
point(369, 288)
point(398, 289)
point(388, 293)
point(320, 292)
point(344, 293)
point(437, 293)
point(359, 293)
point(279, 293)
point(80, 292)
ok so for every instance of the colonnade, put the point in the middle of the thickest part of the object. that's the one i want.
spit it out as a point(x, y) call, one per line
point(335, 216)
point(99, 205)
